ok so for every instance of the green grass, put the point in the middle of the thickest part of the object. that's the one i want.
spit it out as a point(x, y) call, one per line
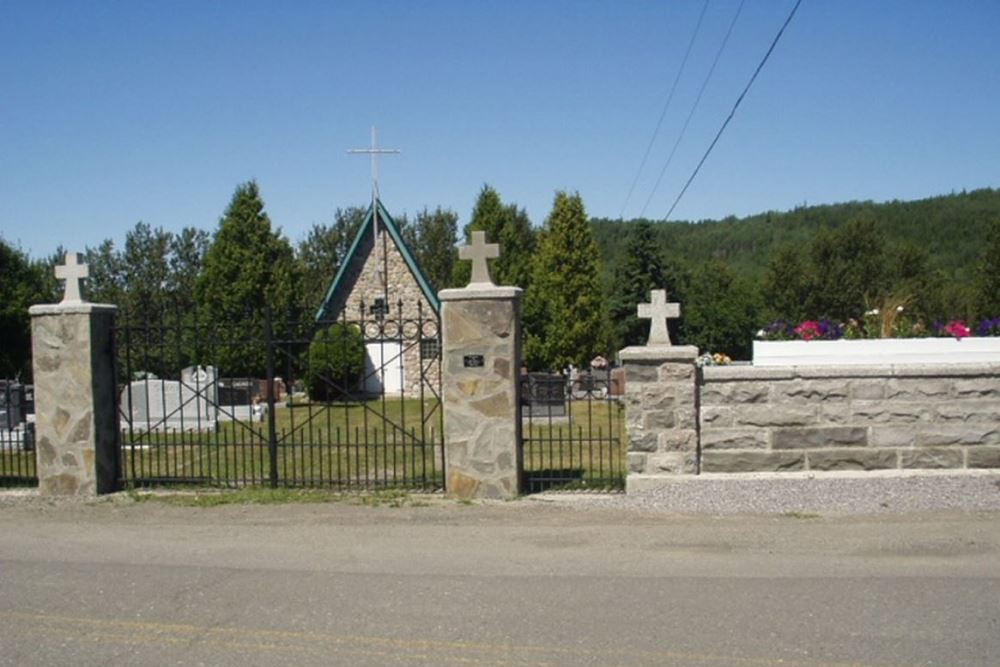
point(279, 496)
point(585, 450)
point(395, 443)
point(17, 468)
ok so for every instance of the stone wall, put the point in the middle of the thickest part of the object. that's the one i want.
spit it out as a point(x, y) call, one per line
point(849, 418)
point(403, 286)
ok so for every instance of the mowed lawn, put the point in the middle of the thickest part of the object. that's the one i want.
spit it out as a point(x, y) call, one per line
point(584, 450)
point(395, 442)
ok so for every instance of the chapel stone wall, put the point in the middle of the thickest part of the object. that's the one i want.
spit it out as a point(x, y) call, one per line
point(403, 287)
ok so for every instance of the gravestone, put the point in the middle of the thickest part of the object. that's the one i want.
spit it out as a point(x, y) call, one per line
point(543, 395)
point(237, 391)
point(12, 404)
point(189, 404)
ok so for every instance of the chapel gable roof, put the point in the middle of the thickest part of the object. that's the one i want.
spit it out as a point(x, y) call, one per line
point(343, 282)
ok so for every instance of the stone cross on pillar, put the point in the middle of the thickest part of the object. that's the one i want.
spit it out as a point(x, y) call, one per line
point(659, 311)
point(479, 251)
point(73, 271)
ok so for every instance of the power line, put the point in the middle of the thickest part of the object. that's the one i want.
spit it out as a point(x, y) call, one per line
point(687, 121)
point(666, 106)
point(735, 106)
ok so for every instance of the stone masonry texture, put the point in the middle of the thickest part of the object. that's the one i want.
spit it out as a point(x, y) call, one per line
point(744, 419)
point(363, 285)
point(75, 403)
point(661, 409)
point(849, 418)
point(481, 424)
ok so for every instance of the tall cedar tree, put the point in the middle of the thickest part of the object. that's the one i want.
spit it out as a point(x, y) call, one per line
point(641, 271)
point(248, 268)
point(565, 310)
point(507, 225)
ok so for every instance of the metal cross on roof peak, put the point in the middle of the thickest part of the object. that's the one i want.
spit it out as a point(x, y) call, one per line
point(73, 271)
point(659, 311)
point(374, 151)
point(478, 251)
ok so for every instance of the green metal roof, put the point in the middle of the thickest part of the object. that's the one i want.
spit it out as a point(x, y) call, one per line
point(404, 250)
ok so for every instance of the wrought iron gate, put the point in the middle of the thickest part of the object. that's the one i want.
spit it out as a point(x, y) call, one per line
point(17, 435)
point(572, 432)
point(350, 403)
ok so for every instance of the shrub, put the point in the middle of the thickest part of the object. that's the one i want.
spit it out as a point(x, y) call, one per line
point(336, 362)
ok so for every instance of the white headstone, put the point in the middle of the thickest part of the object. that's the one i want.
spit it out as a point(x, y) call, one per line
point(659, 311)
point(478, 251)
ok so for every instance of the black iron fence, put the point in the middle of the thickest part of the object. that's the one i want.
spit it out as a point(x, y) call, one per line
point(17, 435)
point(348, 403)
point(572, 432)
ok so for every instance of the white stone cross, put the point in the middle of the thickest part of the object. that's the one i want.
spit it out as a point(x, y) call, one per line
point(73, 271)
point(659, 311)
point(479, 251)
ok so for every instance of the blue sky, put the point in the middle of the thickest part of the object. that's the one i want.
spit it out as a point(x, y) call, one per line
point(116, 112)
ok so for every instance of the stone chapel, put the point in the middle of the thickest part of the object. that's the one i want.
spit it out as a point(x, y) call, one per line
point(381, 288)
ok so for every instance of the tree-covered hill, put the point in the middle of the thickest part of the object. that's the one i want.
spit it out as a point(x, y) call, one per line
point(950, 227)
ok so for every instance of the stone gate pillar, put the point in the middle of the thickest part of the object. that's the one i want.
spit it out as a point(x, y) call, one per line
point(75, 404)
point(661, 401)
point(481, 357)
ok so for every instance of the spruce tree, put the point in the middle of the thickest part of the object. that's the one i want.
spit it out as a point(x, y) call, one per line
point(248, 268)
point(641, 271)
point(565, 310)
point(507, 225)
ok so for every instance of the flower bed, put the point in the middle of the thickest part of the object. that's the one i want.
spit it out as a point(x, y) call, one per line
point(884, 351)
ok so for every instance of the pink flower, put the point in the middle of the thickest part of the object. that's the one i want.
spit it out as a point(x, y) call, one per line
point(808, 330)
point(957, 329)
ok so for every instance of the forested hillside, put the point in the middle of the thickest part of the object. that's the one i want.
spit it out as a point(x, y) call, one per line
point(952, 227)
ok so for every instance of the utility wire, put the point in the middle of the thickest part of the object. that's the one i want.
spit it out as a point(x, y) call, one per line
point(733, 112)
point(687, 121)
point(666, 106)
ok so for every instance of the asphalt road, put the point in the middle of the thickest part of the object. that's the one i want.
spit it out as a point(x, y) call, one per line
point(522, 583)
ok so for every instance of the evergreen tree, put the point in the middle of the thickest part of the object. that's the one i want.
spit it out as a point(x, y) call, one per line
point(511, 228)
point(517, 247)
point(641, 270)
point(248, 269)
point(187, 256)
point(321, 253)
point(719, 312)
point(849, 270)
point(23, 285)
point(786, 284)
point(145, 266)
point(106, 281)
point(487, 216)
point(989, 275)
point(434, 237)
point(565, 317)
